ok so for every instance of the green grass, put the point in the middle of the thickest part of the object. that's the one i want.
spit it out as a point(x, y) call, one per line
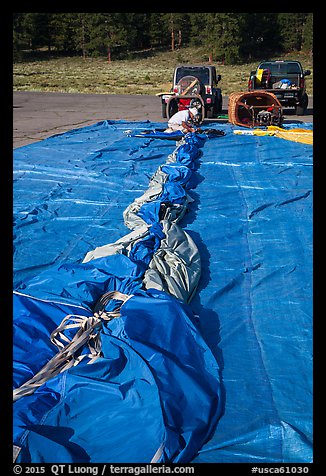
point(149, 75)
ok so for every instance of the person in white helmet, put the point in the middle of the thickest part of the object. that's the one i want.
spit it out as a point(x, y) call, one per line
point(181, 119)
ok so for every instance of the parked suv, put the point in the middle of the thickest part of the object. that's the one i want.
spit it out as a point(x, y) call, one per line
point(193, 85)
point(285, 79)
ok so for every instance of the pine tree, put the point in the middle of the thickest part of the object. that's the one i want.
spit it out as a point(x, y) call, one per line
point(291, 30)
point(307, 41)
point(232, 37)
point(222, 36)
point(260, 35)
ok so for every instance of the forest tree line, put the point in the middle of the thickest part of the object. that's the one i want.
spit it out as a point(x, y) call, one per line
point(228, 37)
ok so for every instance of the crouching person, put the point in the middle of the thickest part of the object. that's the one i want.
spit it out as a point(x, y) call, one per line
point(182, 121)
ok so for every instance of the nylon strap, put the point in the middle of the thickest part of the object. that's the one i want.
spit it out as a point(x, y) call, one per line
point(88, 332)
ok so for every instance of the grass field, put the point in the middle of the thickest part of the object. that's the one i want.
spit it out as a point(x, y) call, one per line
point(149, 75)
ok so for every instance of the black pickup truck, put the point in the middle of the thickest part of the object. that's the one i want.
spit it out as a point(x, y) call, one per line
point(285, 79)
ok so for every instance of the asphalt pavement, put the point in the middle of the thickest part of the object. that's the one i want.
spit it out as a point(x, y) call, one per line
point(38, 115)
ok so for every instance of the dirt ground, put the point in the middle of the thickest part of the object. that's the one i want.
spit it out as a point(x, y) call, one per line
point(37, 116)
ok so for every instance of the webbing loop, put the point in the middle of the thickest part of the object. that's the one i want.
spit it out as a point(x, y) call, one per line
point(88, 332)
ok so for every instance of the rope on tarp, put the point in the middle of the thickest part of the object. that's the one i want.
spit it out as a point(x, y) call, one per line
point(69, 355)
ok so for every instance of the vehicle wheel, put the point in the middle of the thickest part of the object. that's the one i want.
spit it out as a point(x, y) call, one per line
point(164, 112)
point(209, 113)
point(301, 108)
point(216, 108)
point(219, 104)
point(171, 107)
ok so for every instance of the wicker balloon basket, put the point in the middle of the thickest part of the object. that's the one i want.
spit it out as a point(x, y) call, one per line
point(254, 109)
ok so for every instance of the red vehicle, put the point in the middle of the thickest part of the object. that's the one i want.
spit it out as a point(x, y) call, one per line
point(193, 85)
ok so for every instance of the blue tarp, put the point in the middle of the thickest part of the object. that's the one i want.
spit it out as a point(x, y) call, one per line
point(251, 342)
